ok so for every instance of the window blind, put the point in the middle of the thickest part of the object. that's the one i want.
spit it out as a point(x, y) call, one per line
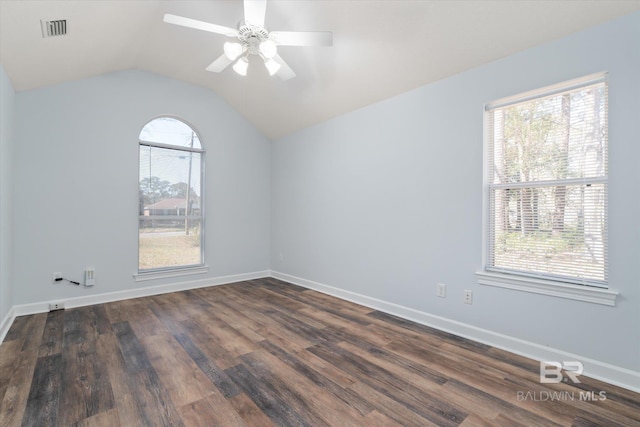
point(547, 166)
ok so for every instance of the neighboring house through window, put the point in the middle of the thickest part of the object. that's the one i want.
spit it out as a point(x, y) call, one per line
point(546, 173)
point(170, 226)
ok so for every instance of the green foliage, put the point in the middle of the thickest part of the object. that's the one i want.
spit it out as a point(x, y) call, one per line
point(528, 152)
point(153, 189)
point(541, 242)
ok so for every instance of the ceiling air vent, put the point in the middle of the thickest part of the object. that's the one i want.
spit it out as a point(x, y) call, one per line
point(54, 28)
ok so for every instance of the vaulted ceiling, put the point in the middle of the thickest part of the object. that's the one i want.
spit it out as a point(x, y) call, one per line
point(381, 48)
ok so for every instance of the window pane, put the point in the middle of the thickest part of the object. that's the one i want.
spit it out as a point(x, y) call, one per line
point(165, 175)
point(169, 243)
point(558, 137)
point(169, 208)
point(167, 130)
point(557, 231)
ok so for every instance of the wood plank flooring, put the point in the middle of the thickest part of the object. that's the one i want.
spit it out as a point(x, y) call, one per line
point(268, 353)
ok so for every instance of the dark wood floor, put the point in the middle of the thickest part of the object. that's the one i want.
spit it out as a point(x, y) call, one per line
point(263, 353)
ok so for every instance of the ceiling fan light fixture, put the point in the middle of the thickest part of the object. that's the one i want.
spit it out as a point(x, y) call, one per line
point(268, 48)
point(241, 66)
point(253, 39)
point(232, 50)
point(272, 66)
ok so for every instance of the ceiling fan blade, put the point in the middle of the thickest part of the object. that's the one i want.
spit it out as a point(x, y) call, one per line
point(254, 12)
point(200, 25)
point(285, 72)
point(302, 38)
point(219, 64)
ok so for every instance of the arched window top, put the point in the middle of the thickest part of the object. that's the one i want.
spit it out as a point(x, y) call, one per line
point(170, 131)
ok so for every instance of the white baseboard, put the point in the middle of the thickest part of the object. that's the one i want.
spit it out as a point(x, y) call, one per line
point(6, 324)
point(43, 306)
point(611, 374)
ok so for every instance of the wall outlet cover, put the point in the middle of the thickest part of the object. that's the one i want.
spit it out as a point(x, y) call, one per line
point(56, 306)
point(468, 297)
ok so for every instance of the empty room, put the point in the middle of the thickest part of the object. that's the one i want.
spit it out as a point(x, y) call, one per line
point(319, 213)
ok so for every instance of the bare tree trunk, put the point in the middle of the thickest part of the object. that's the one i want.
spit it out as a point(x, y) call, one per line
point(527, 211)
point(560, 195)
point(519, 209)
point(535, 221)
point(500, 167)
point(594, 228)
point(504, 199)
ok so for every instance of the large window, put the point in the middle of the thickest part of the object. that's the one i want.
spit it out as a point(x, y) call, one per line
point(547, 183)
point(170, 224)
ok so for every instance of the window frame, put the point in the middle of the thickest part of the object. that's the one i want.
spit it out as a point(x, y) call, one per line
point(522, 281)
point(179, 270)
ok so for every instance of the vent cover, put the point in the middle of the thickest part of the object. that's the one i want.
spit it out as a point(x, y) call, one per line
point(54, 28)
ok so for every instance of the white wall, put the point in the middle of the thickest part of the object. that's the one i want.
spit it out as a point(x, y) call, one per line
point(7, 95)
point(76, 182)
point(387, 201)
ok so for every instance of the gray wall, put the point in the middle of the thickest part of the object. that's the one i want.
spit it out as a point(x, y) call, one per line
point(76, 175)
point(387, 201)
point(7, 96)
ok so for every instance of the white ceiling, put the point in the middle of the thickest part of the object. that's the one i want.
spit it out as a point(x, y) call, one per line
point(381, 48)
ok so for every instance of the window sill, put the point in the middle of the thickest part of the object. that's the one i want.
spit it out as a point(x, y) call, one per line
point(548, 287)
point(176, 272)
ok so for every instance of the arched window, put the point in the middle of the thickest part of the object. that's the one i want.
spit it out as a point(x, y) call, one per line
point(170, 226)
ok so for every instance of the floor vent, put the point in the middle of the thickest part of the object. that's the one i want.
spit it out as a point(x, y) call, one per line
point(54, 28)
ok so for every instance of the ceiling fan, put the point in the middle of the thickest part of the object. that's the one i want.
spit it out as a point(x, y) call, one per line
point(254, 39)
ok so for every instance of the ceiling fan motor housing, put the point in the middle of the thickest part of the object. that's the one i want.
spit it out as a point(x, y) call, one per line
point(252, 36)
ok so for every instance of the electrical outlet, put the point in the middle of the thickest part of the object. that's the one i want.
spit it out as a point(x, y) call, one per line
point(56, 277)
point(56, 306)
point(468, 297)
point(89, 277)
point(441, 290)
